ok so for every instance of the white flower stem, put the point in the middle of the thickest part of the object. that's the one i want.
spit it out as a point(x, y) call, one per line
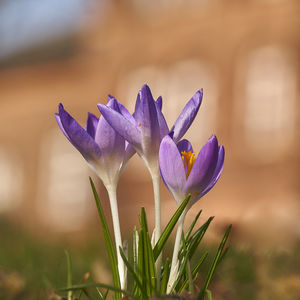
point(112, 193)
point(157, 204)
point(174, 264)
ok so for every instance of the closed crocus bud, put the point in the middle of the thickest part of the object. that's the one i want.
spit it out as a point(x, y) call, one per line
point(106, 152)
point(149, 126)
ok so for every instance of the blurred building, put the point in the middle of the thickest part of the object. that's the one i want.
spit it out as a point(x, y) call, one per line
point(244, 54)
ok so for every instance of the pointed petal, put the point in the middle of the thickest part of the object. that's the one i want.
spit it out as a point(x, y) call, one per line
point(163, 126)
point(78, 136)
point(159, 103)
point(171, 166)
point(138, 114)
point(217, 172)
point(149, 122)
point(122, 125)
point(187, 116)
point(58, 120)
point(126, 113)
point(184, 145)
point(203, 168)
point(112, 144)
point(129, 152)
point(91, 124)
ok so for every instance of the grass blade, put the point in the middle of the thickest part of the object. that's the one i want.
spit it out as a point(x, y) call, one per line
point(165, 278)
point(95, 285)
point(149, 251)
point(214, 264)
point(69, 274)
point(194, 273)
point(189, 231)
point(108, 242)
point(170, 226)
point(135, 276)
point(196, 238)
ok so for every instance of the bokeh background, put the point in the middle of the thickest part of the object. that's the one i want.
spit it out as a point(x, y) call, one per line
point(244, 54)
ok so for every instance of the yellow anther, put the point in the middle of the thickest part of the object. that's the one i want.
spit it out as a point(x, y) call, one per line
point(188, 159)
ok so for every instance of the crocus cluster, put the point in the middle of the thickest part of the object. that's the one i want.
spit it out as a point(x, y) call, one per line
point(110, 141)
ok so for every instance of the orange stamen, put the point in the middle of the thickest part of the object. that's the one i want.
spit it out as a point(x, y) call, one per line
point(188, 159)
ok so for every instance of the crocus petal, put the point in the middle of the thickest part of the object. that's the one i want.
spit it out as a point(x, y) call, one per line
point(163, 126)
point(129, 152)
point(187, 116)
point(171, 168)
point(159, 103)
point(111, 144)
point(138, 113)
point(91, 125)
point(126, 113)
point(203, 168)
point(184, 145)
point(217, 172)
point(149, 123)
point(122, 125)
point(58, 120)
point(78, 136)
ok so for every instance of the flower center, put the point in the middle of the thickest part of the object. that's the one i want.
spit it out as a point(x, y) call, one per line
point(188, 159)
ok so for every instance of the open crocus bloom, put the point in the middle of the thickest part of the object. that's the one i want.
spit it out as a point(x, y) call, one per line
point(103, 148)
point(184, 173)
point(149, 126)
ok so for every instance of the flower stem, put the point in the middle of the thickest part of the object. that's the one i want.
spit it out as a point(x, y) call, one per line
point(156, 188)
point(112, 193)
point(174, 264)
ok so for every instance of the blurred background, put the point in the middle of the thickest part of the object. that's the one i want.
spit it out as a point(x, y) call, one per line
point(244, 54)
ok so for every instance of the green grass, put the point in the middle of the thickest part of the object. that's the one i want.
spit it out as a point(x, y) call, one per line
point(42, 266)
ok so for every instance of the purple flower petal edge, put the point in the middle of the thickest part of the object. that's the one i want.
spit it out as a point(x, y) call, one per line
point(187, 116)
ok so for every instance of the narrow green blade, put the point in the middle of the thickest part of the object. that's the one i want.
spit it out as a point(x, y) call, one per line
point(196, 238)
point(189, 231)
point(214, 264)
point(165, 278)
point(100, 285)
point(170, 226)
point(108, 242)
point(133, 273)
point(194, 273)
point(69, 274)
point(149, 258)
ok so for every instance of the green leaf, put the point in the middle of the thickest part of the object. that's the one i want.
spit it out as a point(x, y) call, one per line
point(189, 231)
point(134, 274)
point(195, 239)
point(170, 226)
point(214, 264)
point(150, 257)
point(194, 273)
point(108, 242)
point(209, 295)
point(100, 285)
point(69, 274)
point(149, 263)
point(165, 278)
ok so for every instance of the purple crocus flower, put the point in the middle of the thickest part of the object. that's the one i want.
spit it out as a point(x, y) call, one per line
point(149, 126)
point(145, 133)
point(183, 173)
point(106, 152)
